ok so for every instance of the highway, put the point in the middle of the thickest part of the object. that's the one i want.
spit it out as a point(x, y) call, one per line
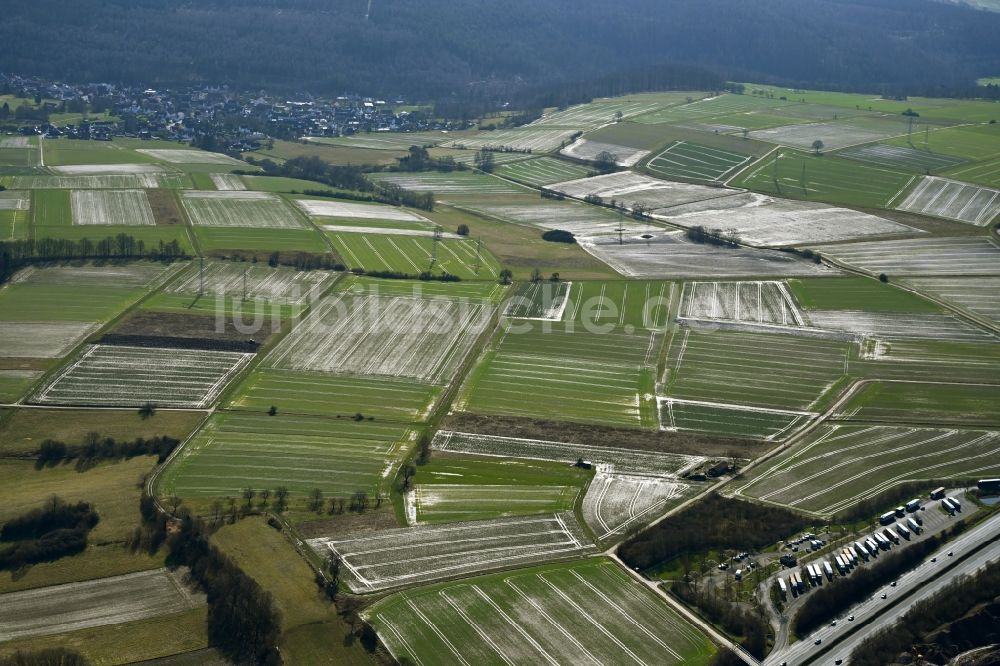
point(880, 613)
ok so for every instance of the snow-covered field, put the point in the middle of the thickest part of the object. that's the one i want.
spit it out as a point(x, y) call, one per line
point(181, 156)
point(15, 200)
point(616, 503)
point(457, 182)
point(240, 209)
point(978, 295)
point(930, 326)
point(585, 149)
point(49, 339)
point(348, 210)
point(94, 603)
point(630, 188)
point(964, 256)
point(412, 555)
point(668, 254)
point(126, 181)
point(423, 339)
point(15, 142)
point(228, 182)
point(752, 302)
point(263, 283)
point(953, 200)
point(120, 376)
point(540, 300)
point(764, 220)
point(132, 274)
point(106, 169)
point(111, 207)
point(526, 139)
point(578, 219)
point(834, 134)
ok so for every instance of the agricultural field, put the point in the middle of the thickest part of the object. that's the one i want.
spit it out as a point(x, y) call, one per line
point(605, 111)
point(487, 292)
point(259, 210)
point(616, 504)
point(186, 156)
point(585, 611)
point(539, 300)
point(589, 150)
point(576, 218)
point(900, 157)
point(257, 282)
point(668, 254)
point(238, 450)
point(858, 293)
point(769, 221)
point(457, 487)
point(960, 257)
point(227, 182)
point(358, 211)
point(566, 375)
point(629, 305)
point(121, 376)
point(129, 181)
point(396, 141)
point(105, 169)
point(980, 296)
point(953, 200)
point(456, 182)
point(769, 370)
point(296, 237)
point(729, 420)
point(631, 188)
point(931, 403)
point(890, 325)
point(983, 173)
point(799, 175)
point(720, 105)
point(412, 555)
point(388, 250)
point(468, 157)
point(105, 601)
point(976, 142)
point(690, 161)
point(834, 135)
point(749, 302)
point(421, 339)
point(42, 339)
point(527, 139)
point(111, 207)
point(542, 171)
point(840, 465)
point(336, 396)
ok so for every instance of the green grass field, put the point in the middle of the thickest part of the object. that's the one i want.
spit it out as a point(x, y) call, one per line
point(983, 173)
point(64, 302)
point(857, 293)
point(454, 487)
point(756, 369)
point(728, 420)
point(51, 208)
point(810, 177)
point(221, 239)
point(839, 465)
point(979, 142)
point(542, 171)
point(937, 403)
point(570, 613)
point(413, 255)
point(334, 396)
point(630, 305)
point(554, 373)
point(239, 450)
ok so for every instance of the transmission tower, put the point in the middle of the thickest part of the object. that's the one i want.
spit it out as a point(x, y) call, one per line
point(621, 226)
point(438, 234)
point(368, 12)
point(245, 271)
point(479, 263)
point(201, 276)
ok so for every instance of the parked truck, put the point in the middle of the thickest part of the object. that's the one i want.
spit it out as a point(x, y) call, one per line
point(937, 493)
point(828, 569)
point(913, 525)
point(913, 505)
point(887, 518)
point(782, 587)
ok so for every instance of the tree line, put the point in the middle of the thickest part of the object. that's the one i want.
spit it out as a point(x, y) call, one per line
point(17, 254)
point(715, 522)
point(96, 448)
point(735, 619)
point(48, 533)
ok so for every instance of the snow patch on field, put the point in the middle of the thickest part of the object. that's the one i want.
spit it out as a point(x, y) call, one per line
point(240, 209)
point(180, 156)
point(15, 200)
point(15, 142)
point(111, 207)
point(121, 376)
point(262, 283)
point(106, 601)
point(106, 169)
point(228, 182)
point(357, 211)
point(585, 149)
point(30, 339)
point(629, 188)
point(953, 200)
point(412, 555)
point(963, 256)
point(753, 302)
point(616, 503)
point(930, 326)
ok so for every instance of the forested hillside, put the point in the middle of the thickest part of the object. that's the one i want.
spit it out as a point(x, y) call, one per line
point(432, 48)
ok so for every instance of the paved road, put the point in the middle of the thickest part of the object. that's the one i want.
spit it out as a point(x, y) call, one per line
point(880, 613)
